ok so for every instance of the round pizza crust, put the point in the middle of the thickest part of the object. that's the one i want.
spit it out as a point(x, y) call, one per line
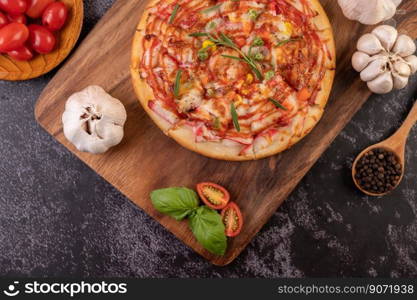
point(224, 150)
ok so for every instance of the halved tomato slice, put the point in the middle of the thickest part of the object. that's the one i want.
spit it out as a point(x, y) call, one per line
point(232, 219)
point(213, 195)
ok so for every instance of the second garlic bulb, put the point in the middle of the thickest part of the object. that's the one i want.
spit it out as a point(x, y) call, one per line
point(385, 59)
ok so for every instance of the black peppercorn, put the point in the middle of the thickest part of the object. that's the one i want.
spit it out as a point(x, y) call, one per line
point(378, 171)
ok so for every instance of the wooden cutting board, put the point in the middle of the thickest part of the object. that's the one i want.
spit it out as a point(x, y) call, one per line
point(147, 159)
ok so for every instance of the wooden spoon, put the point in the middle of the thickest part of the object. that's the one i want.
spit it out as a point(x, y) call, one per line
point(11, 69)
point(396, 144)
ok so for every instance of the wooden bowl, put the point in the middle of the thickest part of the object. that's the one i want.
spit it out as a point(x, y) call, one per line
point(11, 69)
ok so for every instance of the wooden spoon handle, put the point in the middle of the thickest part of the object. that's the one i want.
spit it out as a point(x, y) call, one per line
point(400, 137)
point(410, 121)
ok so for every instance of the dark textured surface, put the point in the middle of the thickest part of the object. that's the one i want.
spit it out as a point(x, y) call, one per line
point(58, 218)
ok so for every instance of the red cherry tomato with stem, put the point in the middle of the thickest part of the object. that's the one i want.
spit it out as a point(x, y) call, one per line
point(41, 39)
point(232, 219)
point(17, 18)
point(37, 7)
point(13, 36)
point(14, 7)
point(3, 20)
point(21, 54)
point(55, 16)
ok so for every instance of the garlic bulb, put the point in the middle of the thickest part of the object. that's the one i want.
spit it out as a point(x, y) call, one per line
point(93, 120)
point(385, 59)
point(369, 12)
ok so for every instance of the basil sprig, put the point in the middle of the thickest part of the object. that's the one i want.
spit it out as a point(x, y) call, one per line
point(205, 223)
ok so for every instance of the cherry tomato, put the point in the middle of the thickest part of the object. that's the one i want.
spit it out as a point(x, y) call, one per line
point(17, 18)
point(213, 195)
point(232, 219)
point(54, 16)
point(14, 7)
point(3, 20)
point(13, 36)
point(37, 7)
point(41, 39)
point(21, 54)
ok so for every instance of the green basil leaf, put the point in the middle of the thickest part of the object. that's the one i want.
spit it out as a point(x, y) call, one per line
point(208, 228)
point(177, 202)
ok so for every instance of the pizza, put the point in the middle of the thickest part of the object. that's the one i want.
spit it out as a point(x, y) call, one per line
point(234, 80)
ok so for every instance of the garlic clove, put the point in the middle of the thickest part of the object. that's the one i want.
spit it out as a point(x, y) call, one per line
point(387, 35)
point(105, 130)
point(382, 84)
point(404, 46)
point(71, 129)
point(389, 8)
point(374, 69)
point(402, 68)
point(360, 60)
point(412, 62)
point(400, 82)
point(349, 9)
point(369, 44)
point(80, 138)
